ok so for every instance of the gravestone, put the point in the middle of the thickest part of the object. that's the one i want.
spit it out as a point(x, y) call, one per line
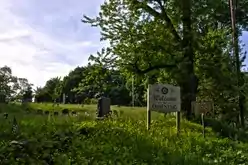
point(65, 111)
point(103, 107)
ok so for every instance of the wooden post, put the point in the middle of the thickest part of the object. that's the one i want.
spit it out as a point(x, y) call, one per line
point(148, 111)
point(178, 120)
point(63, 98)
point(133, 91)
point(203, 124)
point(148, 119)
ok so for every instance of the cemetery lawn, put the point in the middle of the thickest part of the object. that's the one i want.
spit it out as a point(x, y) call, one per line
point(64, 140)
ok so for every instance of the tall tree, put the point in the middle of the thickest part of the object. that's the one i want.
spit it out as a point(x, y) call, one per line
point(28, 94)
point(25, 89)
point(72, 81)
point(241, 98)
point(8, 84)
point(150, 35)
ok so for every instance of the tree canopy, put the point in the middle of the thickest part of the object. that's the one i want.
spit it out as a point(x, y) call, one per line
point(184, 42)
point(181, 42)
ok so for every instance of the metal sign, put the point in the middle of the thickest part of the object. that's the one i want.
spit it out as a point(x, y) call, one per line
point(164, 98)
point(203, 107)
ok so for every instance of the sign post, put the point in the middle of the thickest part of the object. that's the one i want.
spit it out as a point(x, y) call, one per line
point(178, 120)
point(203, 108)
point(203, 124)
point(63, 98)
point(148, 109)
point(163, 98)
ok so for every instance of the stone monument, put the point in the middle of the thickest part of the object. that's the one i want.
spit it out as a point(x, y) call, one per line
point(103, 107)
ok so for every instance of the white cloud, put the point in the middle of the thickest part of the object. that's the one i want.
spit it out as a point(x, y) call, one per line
point(36, 54)
point(13, 35)
point(41, 39)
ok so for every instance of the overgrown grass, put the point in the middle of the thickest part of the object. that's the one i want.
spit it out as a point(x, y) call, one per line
point(64, 140)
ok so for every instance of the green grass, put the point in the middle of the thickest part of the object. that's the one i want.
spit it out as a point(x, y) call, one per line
point(64, 140)
point(128, 112)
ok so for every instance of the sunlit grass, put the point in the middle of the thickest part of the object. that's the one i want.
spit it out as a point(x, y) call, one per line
point(80, 139)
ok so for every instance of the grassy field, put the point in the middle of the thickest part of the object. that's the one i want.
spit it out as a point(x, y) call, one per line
point(80, 139)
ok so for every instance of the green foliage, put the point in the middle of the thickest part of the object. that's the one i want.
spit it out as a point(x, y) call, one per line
point(185, 43)
point(13, 88)
point(80, 140)
point(180, 42)
point(90, 101)
point(87, 82)
point(50, 92)
point(159, 42)
point(28, 94)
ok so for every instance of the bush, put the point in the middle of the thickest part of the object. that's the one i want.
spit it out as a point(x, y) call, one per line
point(125, 140)
point(90, 101)
point(224, 129)
point(93, 101)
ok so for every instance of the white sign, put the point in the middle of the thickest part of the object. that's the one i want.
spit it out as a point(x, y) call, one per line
point(164, 98)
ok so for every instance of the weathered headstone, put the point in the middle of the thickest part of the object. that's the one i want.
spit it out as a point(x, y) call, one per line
point(65, 111)
point(103, 107)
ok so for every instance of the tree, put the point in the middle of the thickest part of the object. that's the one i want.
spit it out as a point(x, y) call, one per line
point(167, 36)
point(39, 94)
point(25, 92)
point(50, 92)
point(100, 79)
point(8, 84)
point(28, 94)
point(72, 81)
point(52, 88)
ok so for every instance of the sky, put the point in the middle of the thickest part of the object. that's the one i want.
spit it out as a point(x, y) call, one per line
point(41, 39)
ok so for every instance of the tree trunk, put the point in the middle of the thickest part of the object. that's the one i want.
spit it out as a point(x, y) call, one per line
point(189, 88)
point(241, 98)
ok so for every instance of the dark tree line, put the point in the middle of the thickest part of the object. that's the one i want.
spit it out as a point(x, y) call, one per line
point(85, 85)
